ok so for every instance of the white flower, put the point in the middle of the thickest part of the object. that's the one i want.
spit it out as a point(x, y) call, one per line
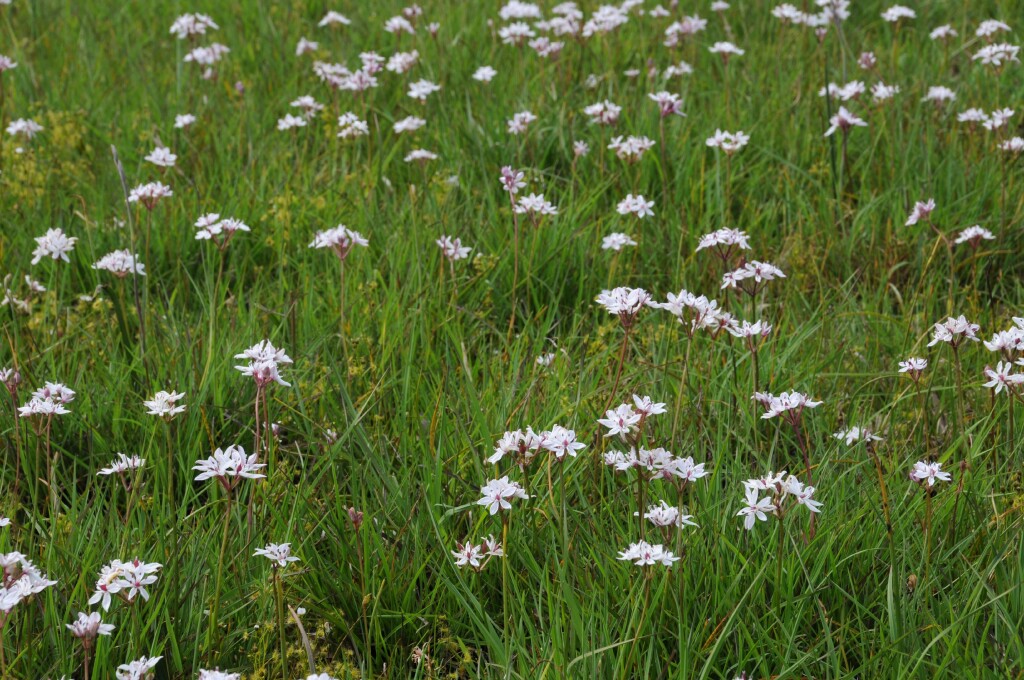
point(635, 205)
point(228, 466)
point(121, 263)
point(350, 126)
point(897, 12)
point(452, 248)
point(140, 669)
point(1000, 377)
point(162, 157)
point(304, 46)
point(121, 465)
point(616, 241)
point(340, 239)
point(755, 509)
point(954, 331)
point(939, 94)
point(990, 27)
point(726, 49)
point(421, 89)
point(484, 74)
point(149, 194)
point(191, 25)
point(644, 554)
point(332, 18)
point(163, 404)
point(24, 126)
point(519, 121)
point(995, 55)
point(729, 142)
point(498, 493)
point(184, 120)
point(278, 553)
point(420, 156)
point(89, 626)
point(54, 244)
point(928, 472)
point(974, 235)
point(843, 120)
point(290, 122)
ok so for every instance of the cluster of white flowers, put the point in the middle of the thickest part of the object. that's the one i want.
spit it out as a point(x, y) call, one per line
point(126, 580)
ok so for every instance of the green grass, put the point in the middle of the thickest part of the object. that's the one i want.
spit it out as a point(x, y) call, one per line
point(424, 376)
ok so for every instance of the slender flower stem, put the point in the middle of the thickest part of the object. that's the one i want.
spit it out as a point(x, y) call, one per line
point(618, 372)
point(279, 596)
point(211, 635)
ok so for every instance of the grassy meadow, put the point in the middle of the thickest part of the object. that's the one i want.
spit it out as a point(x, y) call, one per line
point(405, 367)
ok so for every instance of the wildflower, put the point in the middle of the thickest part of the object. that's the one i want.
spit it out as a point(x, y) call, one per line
point(631, 148)
point(922, 211)
point(535, 204)
point(616, 241)
point(669, 104)
point(973, 236)
point(939, 94)
point(755, 509)
point(867, 60)
point(498, 493)
point(333, 18)
point(420, 155)
point(1000, 377)
point(54, 244)
point(89, 626)
point(857, 434)
point(467, 554)
point(789, 405)
point(305, 46)
point(843, 120)
point(1014, 145)
point(928, 473)
point(897, 12)
point(726, 49)
point(846, 92)
point(290, 122)
point(516, 33)
point(998, 119)
point(943, 32)
point(340, 239)
point(624, 302)
point(729, 142)
point(518, 123)
point(350, 126)
point(989, 27)
point(995, 55)
point(121, 465)
point(409, 124)
point(184, 120)
point(603, 113)
point(25, 127)
point(149, 194)
point(665, 515)
point(140, 669)
point(484, 74)
point(278, 553)
point(121, 263)
point(644, 554)
point(913, 366)
point(635, 205)
point(191, 25)
point(621, 421)
point(452, 248)
point(218, 675)
point(421, 89)
point(162, 157)
point(724, 241)
point(228, 466)
point(561, 441)
point(164, 404)
point(954, 331)
point(580, 149)
point(7, 64)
